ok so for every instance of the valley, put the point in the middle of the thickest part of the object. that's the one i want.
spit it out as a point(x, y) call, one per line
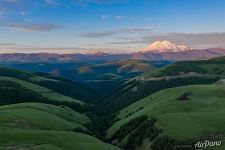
point(96, 75)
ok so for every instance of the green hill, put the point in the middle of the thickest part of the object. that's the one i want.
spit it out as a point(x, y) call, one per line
point(41, 116)
point(35, 117)
point(37, 126)
point(18, 91)
point(174, 75)
point(9, 84)
point(58, 84)
point(14, 91)
point(214, 66)
point(182, 115)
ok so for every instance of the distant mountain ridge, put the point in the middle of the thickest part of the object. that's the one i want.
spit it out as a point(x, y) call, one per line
point(164, 50)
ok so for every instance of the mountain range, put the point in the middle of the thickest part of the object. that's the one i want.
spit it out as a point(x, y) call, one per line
point(164, 50)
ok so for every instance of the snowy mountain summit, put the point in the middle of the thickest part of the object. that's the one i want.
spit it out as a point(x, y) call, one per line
point(166, 46)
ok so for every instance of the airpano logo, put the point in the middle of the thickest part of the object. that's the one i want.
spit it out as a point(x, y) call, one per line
point(200, 145)
point(207, 143)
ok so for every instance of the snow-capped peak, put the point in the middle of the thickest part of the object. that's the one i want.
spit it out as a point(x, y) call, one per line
point(166, 46)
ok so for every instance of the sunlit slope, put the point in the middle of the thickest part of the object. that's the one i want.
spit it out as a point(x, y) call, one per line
point(183, 114)
point(212, 67)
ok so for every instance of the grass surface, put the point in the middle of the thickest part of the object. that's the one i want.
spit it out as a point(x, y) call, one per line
point(37, 126)
point(41, 116)
point(199, 116)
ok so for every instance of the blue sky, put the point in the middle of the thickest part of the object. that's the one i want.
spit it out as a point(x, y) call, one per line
point(70, 26)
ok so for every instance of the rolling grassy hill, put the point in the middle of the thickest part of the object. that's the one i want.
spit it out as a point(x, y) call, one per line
point(182, 115)
point(25, 89)
point(13, 90)
point(38, 126)
point(54, 121)
point(41, 116)
point(9, 83)
point(58, 84)
point(174, 75)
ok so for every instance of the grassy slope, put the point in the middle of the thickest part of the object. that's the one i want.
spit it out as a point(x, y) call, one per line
point(135, 90)
point(58, 84)
point(41, 116)
point(61, 118)
point(182, 120)
point(51, 95)
point(214, 66)
point(42, 126)
point(207, 72)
